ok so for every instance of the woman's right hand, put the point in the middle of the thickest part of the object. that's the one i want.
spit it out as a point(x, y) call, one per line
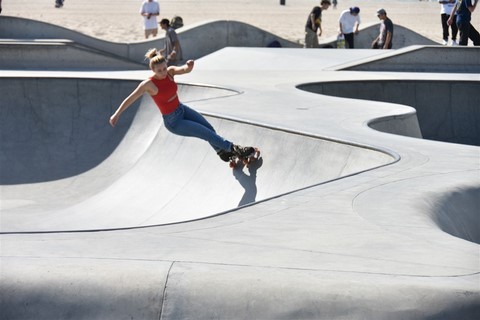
point(113, 120)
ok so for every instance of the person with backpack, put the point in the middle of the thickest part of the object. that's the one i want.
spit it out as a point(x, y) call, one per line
point(172, 51)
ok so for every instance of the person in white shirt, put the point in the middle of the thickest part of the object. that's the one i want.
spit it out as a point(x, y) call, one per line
point(150, 9)
point(349, 22)
point(445, 11)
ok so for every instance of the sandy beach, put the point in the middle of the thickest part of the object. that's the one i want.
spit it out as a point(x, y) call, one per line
point(120, 21)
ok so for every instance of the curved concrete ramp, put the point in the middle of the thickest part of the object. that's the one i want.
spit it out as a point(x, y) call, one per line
point(215, 35)
point(446, 110)
point(396, 235)
point(139, 167)
point(59, 54)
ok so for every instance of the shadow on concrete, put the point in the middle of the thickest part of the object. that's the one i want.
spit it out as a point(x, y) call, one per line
point(457, 213)
point(248, 181)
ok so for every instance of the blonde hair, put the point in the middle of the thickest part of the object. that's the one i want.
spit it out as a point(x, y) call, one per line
point(155, 57)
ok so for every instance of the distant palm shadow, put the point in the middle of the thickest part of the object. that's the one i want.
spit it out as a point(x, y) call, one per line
point(248, 181)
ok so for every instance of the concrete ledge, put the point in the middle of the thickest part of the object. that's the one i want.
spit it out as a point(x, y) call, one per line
point(421, 59)
point(214, 35)
point(58, 55)
point(438, 117)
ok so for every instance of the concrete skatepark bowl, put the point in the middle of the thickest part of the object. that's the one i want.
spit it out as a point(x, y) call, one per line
point(351, 213)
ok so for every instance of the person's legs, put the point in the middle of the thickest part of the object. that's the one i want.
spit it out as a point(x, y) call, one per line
point(464, 29)
point(187, 122)
point(149, 32)
point(454, 29)
point(349, 40)
point(311, 39)
point(444, 17)
point(474, 35)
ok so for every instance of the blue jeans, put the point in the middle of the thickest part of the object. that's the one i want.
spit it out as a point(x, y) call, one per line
point(189, 123)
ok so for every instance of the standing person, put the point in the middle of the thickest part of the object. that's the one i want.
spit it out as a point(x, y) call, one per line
point(177, 117)
point(349, 22)
point(314, 24)
point(464, 12)
point(149, 10)
point(447, 6)
point(172, 50)
point(384, 39)
point(334, 2)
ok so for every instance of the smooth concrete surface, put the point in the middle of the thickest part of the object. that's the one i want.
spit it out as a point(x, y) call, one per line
point(68, 135)
point(416, 58)
point(395, 241)
point(58, 55)
point(446, 110)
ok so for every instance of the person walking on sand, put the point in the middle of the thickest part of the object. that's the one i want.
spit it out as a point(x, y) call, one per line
point(149, 10)
point(172, 50)
point(447, 6)
point(349, 22)
point(384, 39)
point(177, 117)
point(314, 24)
point(464, 10)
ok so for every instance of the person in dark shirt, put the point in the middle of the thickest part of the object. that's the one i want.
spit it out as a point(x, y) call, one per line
point(314, 24)
point(384, 39)
point(464, 10)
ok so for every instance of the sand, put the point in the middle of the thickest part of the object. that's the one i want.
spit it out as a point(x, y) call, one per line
point(120, 21)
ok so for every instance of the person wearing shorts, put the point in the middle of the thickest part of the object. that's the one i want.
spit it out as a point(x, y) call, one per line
point(150, 10)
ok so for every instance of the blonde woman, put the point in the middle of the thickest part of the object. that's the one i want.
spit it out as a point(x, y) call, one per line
point(177, 117)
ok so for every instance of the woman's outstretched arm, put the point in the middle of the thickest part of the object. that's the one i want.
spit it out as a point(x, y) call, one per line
point(186, 68)
point(137, 93)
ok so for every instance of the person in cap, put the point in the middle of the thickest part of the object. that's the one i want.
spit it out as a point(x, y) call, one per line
point(384, 39)
point(349, 22)
point(314, 24)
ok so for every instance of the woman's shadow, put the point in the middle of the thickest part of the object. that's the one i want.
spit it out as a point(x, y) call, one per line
point(248, 181)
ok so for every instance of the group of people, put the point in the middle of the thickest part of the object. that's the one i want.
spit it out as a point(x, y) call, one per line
point(348, 27)
point(454, 13)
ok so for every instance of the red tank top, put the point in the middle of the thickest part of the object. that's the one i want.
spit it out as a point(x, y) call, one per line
point(166, 99)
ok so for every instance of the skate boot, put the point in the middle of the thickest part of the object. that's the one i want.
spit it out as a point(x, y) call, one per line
point(225, 155)
point(243, 152)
